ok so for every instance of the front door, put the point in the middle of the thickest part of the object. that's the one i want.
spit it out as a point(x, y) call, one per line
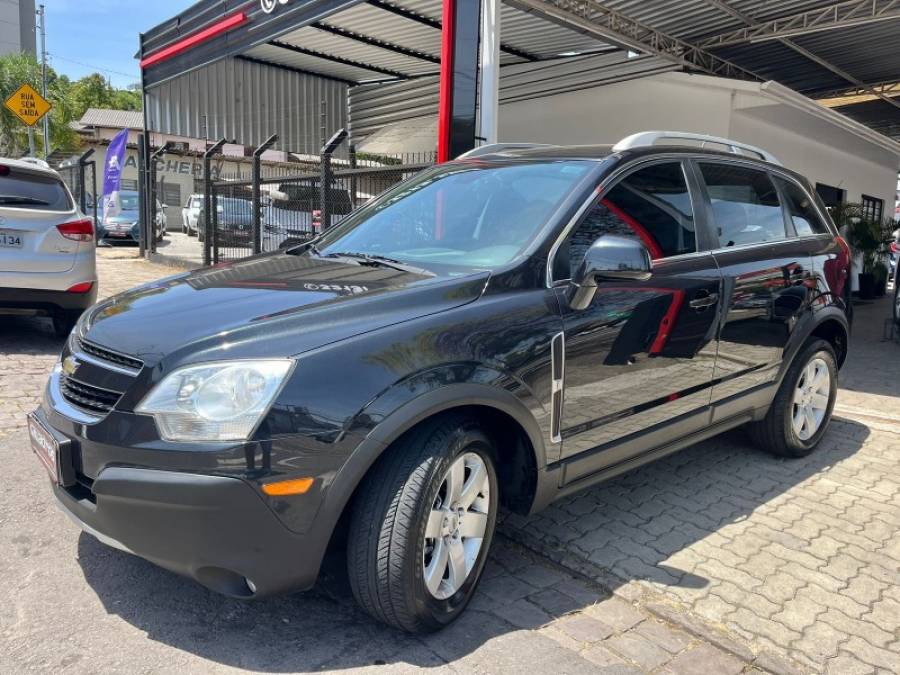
point(641, 357)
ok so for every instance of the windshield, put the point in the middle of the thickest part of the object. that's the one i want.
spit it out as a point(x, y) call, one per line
point(129, 201)
point(467, 215)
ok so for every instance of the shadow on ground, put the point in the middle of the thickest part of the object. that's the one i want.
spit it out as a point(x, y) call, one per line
point(644, 517)
point(631, 527)
point(28, 335)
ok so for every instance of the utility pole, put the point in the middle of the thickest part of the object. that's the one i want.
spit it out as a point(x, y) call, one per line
point(42, 13)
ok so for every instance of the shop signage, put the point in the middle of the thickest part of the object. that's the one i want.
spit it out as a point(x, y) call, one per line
point(268, 6)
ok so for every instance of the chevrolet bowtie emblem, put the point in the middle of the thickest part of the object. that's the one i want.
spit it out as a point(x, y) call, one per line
point(70, 365)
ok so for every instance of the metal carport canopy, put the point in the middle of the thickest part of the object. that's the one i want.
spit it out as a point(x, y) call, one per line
point(844, 52)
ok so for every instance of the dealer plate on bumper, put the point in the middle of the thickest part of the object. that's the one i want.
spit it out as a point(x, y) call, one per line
point(45, 446)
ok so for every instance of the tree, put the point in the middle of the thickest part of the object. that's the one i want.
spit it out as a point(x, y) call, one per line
point(70, 101)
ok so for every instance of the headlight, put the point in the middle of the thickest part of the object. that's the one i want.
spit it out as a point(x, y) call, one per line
point(221, 401)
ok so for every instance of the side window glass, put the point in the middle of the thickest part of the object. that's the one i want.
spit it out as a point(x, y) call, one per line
point(652, 204)
point(745, 204)
point(801, 209)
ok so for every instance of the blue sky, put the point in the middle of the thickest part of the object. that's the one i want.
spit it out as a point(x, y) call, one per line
point(86, 36)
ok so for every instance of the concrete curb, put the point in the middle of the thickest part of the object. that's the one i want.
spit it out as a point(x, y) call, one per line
point(173, 261)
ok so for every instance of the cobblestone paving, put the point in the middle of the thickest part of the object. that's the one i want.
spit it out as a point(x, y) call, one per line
point(28, 347)
point(721, 559)
point(798, 557)
point(529, 616)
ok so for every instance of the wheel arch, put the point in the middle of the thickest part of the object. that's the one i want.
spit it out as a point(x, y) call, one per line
point(834, 332)
point(505, 417)
point(829, 324)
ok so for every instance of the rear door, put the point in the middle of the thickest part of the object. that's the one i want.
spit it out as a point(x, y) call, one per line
point(32, 204)
point(767, 276)
point(641, 358)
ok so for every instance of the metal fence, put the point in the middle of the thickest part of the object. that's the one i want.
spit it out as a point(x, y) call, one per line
point(80, 175)
point(259, 210)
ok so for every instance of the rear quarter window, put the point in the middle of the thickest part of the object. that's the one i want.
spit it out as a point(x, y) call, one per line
point(22, 189)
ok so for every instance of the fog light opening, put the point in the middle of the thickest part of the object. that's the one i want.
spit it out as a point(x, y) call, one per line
point(250, 585)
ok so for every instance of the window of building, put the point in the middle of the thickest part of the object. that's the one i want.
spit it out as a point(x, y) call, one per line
point(129, 184)
point(831, 196)
point(801, 209)
point(652, 204)
point(745, 204)
point(872, 208)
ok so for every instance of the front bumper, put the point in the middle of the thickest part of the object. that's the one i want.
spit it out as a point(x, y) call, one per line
point(213, 529)
point(217, 530)
point(116, 232)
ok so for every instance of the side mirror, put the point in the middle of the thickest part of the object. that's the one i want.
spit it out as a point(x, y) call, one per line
point(611, 257)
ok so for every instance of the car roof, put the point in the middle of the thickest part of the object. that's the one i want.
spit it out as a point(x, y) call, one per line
point(35, 165)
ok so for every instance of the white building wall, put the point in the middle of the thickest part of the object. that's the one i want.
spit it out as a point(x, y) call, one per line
point(817, 148)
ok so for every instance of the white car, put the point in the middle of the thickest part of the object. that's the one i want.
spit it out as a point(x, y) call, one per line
point(190, 215)
point(47, 247)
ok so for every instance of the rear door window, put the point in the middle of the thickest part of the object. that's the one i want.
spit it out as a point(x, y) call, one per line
point(23, 189)
point(745, 204)
point(801, 209)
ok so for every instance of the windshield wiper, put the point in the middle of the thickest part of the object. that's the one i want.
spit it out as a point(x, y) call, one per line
point(17, 199)
point(377, 261)
point(300, 249)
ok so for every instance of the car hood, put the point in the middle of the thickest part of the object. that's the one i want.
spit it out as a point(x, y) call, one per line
point(123, 217)
point(270, 305)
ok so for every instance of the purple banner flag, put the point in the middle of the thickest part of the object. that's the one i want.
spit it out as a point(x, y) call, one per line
point(112, 176)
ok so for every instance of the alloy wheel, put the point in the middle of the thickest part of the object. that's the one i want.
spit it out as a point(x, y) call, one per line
point(811, 398)
point(456, 525)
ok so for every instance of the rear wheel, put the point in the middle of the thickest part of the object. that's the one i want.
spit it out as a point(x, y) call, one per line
point(802, 408)
point(423, 524)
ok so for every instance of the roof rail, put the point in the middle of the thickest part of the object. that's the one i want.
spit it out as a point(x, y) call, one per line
point(648, 138)
point(491, 148)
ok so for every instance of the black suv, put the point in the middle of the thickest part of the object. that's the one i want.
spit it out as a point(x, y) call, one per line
point(500, 330)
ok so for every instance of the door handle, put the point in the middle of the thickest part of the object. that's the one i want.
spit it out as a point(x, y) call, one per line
point(704, 300)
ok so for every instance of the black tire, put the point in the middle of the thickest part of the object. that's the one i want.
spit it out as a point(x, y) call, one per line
point(775, 432)
point(386, 539)
point(64, 322)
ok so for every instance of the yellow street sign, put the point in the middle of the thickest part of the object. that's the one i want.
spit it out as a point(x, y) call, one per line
point(28, 105)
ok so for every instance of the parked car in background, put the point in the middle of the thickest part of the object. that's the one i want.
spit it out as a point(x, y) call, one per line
point(190, 215)
point(894, 253)
point(896, 310)
point(125, 226)
point(234, 221)
point(47, 248)
point(505, 329)
point(293, 214)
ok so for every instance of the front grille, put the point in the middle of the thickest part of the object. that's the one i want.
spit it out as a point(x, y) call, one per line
point(86, 397)
point(110, 356)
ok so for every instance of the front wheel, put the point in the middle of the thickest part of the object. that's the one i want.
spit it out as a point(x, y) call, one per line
point(802, 408)
point(422, 526)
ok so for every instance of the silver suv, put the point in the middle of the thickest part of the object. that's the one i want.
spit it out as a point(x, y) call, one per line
point(47, 249)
